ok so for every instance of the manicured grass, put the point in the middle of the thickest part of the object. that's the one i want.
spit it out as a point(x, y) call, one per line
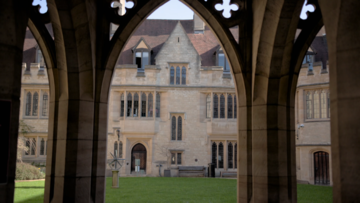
point(314, 193)
point(146, 189)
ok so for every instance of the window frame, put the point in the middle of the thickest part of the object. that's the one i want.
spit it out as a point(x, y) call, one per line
point(182, 67)
point(176, 154)
point(177, 129)
point(226, 64)
point(312, 93)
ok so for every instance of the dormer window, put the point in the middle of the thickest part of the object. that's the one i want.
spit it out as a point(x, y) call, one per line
point(142, 53)
point(221, 60)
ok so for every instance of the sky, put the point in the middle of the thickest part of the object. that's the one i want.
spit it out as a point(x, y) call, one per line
point(174, 9)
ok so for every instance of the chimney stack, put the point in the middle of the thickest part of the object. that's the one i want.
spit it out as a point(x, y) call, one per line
point(199, 25)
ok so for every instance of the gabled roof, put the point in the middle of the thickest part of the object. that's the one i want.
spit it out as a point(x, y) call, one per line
point(141, 44)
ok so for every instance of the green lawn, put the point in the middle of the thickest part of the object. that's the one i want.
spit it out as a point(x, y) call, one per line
point(158, 190)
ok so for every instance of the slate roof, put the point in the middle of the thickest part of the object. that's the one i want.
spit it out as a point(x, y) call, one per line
point(156, 32)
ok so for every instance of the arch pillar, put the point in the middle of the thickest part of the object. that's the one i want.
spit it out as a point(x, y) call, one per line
point(341, 19)
point(13, 20)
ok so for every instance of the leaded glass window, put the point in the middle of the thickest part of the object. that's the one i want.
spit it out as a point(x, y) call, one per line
point(172, 75)
point(222, 106)
point(178, 158)
point(129, 105)
point(235, 107)
point(42, 146)
point(35, 104)
point(316, 105)
point(179, 128)
point(143, 105)
point(216, 106)
point(172, 158)
point(328, 104)
point(116, 149)
point(28, 104)
point(27, 144)
point(208, 106)
point(122, 105)
point(230, 106)
point(120, 149)
point(323, 104)
point(214, 154)
point(178, 75)
point(157, 105)
point(230, 155)
point(183, 76)
point(221, 155)
point(150, 105)
point(136, 105)
point(33, 146)
point(173, 128)
point(45, 104)
point(235, 155)
point(309, 105)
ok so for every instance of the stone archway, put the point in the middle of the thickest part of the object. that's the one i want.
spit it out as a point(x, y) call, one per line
point(138, 159)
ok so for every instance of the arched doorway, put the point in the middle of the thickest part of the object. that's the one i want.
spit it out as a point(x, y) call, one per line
point(321, 168)
point(138, 158)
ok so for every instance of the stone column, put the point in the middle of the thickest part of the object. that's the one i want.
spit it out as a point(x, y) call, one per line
point(341, 19)
point(13, 20)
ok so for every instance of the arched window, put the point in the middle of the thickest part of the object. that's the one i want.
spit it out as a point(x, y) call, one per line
point(178, 75)
point(221, 155)
point(173, 128)
point(309, 105)
point(116, 149)
point(158, 104)
point(150, 105)
point(122, 105)
point(213, 154)
point(129, 105)
point(28, 104)
point(216, 106)
point(179, 128)
point(222, 106)
point(120, 149)
point(230, 155)
point(208, 106)
point(143, 105)
point(136, 105)
point(316, 105)
point(235, 155)
point(323, 104)
point(42, 146)
point(230, 106)
point(235, 107)
point(172, 75)
point(35, 104)
point(45, 104)
point(183, 76)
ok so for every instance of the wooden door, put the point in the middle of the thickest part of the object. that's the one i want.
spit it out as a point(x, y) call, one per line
point(321, 168)
point(138, 152)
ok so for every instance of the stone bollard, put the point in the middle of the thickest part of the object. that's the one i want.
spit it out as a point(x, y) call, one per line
point(115, 179)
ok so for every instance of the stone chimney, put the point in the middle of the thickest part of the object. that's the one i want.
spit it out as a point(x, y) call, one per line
point(199, 25)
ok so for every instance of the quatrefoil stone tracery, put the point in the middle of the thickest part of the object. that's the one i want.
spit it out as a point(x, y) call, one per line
point(306, 8)
point(226, 7)
point(43, 5)
point(117, 4)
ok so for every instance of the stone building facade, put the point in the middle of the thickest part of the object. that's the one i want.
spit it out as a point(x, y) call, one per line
point(149, 96)
point(176, 101)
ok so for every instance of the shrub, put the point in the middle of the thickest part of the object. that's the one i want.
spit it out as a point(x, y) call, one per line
point(26, 171)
